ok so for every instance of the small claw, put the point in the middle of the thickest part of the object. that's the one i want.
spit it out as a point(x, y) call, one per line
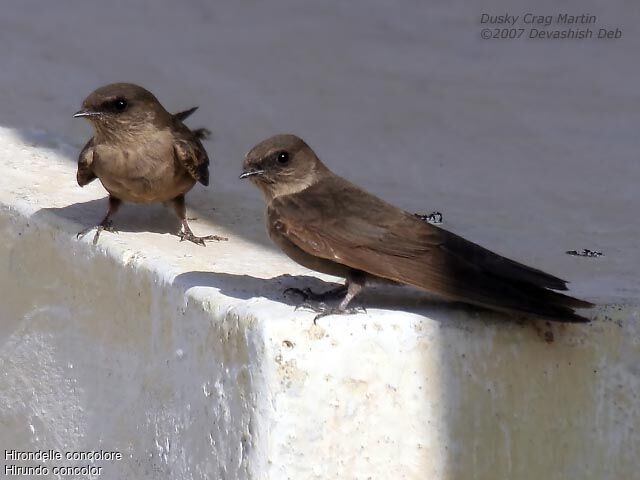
point(323, 310)
point(319, 307)
point(216, 238)
point(326, 313)
point(319, 316)
point(200, 240)
point(106, 226)
point(82, 233)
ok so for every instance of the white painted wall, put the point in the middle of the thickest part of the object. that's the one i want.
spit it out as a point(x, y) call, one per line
point(190, 361)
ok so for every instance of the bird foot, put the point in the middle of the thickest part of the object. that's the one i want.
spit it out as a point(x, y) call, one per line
point(323, 310)
point(189, 236)
point(104, 226)
point(308, 294)
point(434, 218)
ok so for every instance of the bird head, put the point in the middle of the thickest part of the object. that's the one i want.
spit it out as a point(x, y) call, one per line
point(121, 108)
point(281, 165)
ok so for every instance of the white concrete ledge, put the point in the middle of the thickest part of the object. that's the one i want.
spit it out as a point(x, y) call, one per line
point(189, 361)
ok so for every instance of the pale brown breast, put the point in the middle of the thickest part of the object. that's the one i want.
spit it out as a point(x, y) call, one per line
point(142, 171)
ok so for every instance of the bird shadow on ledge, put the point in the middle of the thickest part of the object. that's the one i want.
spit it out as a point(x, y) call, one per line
point(387, 297)
point(205, 212)
point(129, 218)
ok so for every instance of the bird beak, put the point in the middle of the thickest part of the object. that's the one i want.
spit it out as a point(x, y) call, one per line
point(251, 173)
point(85, 113)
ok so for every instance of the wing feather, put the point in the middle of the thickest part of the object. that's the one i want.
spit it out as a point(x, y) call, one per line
point(192, 156)
point(85, 174)
point(182, 116)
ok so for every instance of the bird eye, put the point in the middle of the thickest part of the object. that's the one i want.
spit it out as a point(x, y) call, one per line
point(283, 157)
point(120, 105)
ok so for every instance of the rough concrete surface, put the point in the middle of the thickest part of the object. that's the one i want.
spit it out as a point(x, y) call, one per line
point(190, 361)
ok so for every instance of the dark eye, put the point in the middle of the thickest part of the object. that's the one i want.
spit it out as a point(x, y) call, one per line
point(282, 158)
point(120, 105)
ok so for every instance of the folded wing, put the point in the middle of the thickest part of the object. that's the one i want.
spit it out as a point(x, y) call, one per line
point(338, 221)
point(192, 155)
point(85, 174)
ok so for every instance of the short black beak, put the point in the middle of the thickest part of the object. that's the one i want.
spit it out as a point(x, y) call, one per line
point(251, 173)
point(85, 113)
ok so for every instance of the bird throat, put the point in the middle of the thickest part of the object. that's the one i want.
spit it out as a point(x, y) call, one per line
point(122, 132)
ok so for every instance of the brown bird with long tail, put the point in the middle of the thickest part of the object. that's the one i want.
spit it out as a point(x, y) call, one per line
point(330, 225)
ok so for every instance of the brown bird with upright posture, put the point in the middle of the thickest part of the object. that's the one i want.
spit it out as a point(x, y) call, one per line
point(327, 224)
point(141, 153)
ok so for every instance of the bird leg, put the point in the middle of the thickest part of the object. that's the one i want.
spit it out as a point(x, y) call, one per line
point(434, 218)
point(106, 223)
point(353, 286)
point(185, 232)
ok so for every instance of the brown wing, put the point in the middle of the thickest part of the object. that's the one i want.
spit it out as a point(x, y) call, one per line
point(337, 221)
point(192, 155)
point(85, 174)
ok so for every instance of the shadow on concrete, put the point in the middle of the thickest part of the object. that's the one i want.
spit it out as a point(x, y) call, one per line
point(202, 211)
point(130, 218)
point(388, 297)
